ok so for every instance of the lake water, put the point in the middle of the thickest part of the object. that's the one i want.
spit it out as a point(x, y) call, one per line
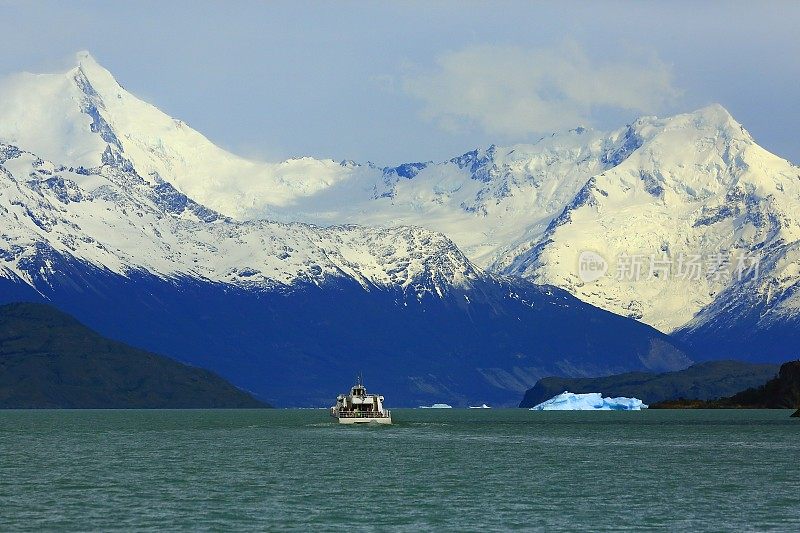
point(433, 469)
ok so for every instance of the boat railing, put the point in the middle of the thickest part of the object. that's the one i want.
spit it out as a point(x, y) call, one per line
point(364, 414)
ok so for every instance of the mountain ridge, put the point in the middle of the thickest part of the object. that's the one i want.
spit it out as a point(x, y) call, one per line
point(296, 347)
point(705, 381)
point(136, 259)
point(49, 360)
point(780, 392)
point(659, 188)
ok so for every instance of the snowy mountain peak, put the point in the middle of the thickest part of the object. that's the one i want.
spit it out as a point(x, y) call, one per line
point(85, 59)
point(693, 183)
point(716, 113)
point(71, 117)
point(100, 78)
point(91, 173)
point(712, 120)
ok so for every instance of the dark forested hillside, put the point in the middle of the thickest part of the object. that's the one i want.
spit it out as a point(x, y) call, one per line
point(50, 360)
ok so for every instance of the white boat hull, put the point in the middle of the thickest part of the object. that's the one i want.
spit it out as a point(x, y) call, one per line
point(365, 420)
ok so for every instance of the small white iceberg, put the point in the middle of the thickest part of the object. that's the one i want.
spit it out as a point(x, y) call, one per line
point(436, 406)
point(592, 401)
point(481, 406)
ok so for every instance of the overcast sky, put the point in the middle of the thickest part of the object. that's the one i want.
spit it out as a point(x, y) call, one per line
point(407, 81)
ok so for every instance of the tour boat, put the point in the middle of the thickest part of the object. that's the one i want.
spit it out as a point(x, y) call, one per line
point(358, 407)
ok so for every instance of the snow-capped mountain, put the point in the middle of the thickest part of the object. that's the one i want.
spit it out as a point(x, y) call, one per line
point(659, 189)
point(92, 220)
point(73, 117)
point(695, 186)
point(663, 192)
point(110, 217)
point(83, 162)
point(705, 217)
point(144, 263)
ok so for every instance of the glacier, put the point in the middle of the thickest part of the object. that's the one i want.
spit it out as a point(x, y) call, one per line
point(591, 401)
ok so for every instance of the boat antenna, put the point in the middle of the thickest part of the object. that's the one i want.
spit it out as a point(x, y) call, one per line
point(360, 379)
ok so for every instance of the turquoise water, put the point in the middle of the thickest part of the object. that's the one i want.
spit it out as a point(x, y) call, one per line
point(433, 469)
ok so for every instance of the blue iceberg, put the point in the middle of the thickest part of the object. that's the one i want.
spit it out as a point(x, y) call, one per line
point(592, 401)
point(436, 406)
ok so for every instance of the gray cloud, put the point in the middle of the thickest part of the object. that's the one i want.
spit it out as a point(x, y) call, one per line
point(513, 91)
point(298, 77)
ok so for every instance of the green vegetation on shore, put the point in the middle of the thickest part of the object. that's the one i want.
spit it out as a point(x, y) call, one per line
point(709, 380)
point(782, 392)
point(50, 360)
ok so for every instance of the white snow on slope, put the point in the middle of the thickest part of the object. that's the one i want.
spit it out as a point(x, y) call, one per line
point(485, 200)
point(71, 117)
point(693, 184)
point(698, 185)
point(110, 217)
